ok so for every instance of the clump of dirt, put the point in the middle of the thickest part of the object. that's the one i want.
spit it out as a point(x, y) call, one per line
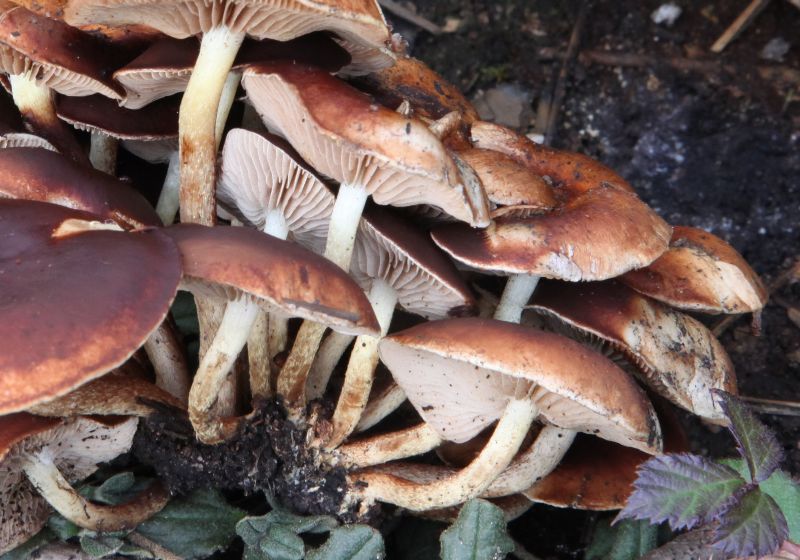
point(269, 453)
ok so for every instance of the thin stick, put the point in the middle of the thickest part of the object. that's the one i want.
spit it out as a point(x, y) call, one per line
point(402, 12)
point(771, 406)
point(744, 19)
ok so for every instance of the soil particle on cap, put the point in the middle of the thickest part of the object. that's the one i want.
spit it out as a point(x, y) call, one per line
point(269, 453)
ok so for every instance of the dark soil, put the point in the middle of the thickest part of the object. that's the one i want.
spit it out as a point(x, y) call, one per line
point(708, 140)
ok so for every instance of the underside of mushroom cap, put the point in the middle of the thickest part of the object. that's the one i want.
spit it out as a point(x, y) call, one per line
point(425, 280)
point(285, 278)
point(74, 305)
point(43, 175)
point(461, 373)
point(96, 113)
point(62, 57)
point(598, 234)
point(262, 173)
point(677, 356)
point(702, 272)
point(348, 137)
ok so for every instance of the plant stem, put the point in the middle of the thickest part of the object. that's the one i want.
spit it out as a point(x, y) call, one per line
point(516, 294)
point(389, 447)
point(103, 152)
point(330, 352)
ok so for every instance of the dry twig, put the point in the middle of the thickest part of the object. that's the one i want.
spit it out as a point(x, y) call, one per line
point(412, 17)
point(744, 19)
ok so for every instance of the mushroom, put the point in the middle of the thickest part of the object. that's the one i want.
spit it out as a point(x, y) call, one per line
point(700, 272)
point(247, 270)
point(676, 355)
point(93, 292)
point(40, 459)
point(463, 374)
point(12, 133)
point(224, 26)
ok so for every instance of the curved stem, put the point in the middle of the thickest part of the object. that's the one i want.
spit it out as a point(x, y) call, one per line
point(389, 447)
point(35, 102)
point(215, 368)
point(361, 368)
point(516, 294)
point(170, 196)
point(292, 378)
point(51, 484)
point(381, 406)
point(103, 152)
point(226, 99)
point(470, 481)
point(197, 124)
point(330, 352)
point(166, 354)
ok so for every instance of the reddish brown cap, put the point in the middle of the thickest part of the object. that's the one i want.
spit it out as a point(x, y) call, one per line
point(38, 174)
point(283, 277)
point(68, 60)
point(345, 135)
point(678, 357)
point(74, 305)
point(702, 272)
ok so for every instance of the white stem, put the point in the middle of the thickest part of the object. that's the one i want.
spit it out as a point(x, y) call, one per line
point(59, 493)
point(470, 481)
point(216, 365)
point(226, 99)
point(330, 352)
point(197, 123)
point(382, 406)
point(166, 355)
point(347, 210)
point(292, 378)
point(516, 294)
point(361, 368)
point(103, 152)
point(170, 197)
point(389, 447)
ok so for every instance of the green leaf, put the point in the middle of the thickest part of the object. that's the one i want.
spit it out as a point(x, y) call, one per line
point(685, 490)
point(478, 533)
point(275, 535)
point(280, 542)
point(757, 444)
point(782, 489)
point(627, 540)
point(195, 526)
point(117, 489)
point(753, 525)
point(63, 528)
point(100, 546)
point(26, 549)
point(355, 542)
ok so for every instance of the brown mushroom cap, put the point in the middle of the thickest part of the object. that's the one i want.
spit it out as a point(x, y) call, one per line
point(677, 356)
point(346, 136)
point(700, 271)
point(460, 375)
point(93, 296)
point(62, 57)
point(43, 175)
point(281, 276)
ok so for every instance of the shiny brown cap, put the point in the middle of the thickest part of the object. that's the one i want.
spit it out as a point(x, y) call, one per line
point(228, 262)
point(66, 59)
point(345, 135)
point(424, 278)
point(460, 374)
point(597, 234)
point(678, 357)
point(410, 79)
point(165, 67)
point(701, 272)
point(38, 174)
point(74, 305)
point(96, 113)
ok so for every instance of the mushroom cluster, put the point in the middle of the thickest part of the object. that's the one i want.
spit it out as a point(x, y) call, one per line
point(282, 240)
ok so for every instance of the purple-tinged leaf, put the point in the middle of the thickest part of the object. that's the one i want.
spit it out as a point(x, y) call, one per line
point(682, 489)
point(756, 442)
point(753, 525)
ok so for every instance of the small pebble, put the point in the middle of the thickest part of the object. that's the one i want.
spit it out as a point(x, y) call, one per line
point(666, 14)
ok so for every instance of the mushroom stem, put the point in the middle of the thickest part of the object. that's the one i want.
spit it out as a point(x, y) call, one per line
point(389, 447)
point(226, 99)
point(51, 484)
point(330, 352)
point(382, 406)
point(170, 197)
point(166, 354)
point(361, 368)
point(215, 367)
point(35, 102)
point(198, 120)
point(516, 294)
point(103, 152)
point(469, 482)
point(345, 217)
